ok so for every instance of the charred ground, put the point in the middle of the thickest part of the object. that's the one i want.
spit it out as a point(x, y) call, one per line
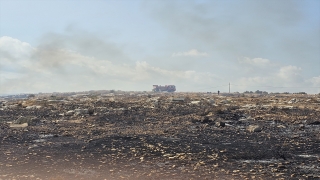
point(160, 136)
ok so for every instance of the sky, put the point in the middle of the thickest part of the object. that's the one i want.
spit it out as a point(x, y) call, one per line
point(199, 46)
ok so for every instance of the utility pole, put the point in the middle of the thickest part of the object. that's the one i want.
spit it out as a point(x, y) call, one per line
point(229, 88)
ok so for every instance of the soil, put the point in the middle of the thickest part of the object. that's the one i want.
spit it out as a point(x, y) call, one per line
point(151, 136)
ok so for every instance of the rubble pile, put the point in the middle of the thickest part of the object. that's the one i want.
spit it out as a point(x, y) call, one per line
point(160, 136)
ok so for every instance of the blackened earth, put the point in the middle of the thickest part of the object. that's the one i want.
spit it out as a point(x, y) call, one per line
point(174, 140)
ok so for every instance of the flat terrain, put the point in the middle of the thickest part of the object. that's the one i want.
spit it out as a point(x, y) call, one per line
point(160, 136)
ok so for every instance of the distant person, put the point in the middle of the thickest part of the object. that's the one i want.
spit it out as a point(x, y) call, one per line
point(218, 92)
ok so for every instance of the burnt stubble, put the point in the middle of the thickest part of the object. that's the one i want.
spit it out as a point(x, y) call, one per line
point(160, 136)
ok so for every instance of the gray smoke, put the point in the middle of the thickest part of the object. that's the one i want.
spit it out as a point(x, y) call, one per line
point(267, 29)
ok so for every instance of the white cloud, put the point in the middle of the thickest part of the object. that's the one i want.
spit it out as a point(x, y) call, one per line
point(52, 69)
point(255, 61)
point(14, 47)
point(315, 81)
point(290, 72)
point(286, 79)
point(192, 52)
point(14, 58)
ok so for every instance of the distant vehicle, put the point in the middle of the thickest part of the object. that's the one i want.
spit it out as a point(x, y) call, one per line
point(166, 88)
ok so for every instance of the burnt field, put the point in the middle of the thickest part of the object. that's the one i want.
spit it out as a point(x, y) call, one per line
point(160, 136)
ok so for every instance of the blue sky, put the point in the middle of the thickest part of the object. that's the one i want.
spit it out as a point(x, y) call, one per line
point(72, 45)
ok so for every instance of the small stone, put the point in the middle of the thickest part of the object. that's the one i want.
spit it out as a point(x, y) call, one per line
point(220, 124)
point(254, 128)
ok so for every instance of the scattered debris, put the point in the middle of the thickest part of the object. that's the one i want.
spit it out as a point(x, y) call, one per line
point(153, 135)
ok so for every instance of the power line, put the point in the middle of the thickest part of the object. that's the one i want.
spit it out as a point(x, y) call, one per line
point(277, 86)
point(267, 86)
point(211, 87)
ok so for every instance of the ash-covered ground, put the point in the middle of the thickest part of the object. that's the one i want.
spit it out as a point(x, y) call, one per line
point(124, 135)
